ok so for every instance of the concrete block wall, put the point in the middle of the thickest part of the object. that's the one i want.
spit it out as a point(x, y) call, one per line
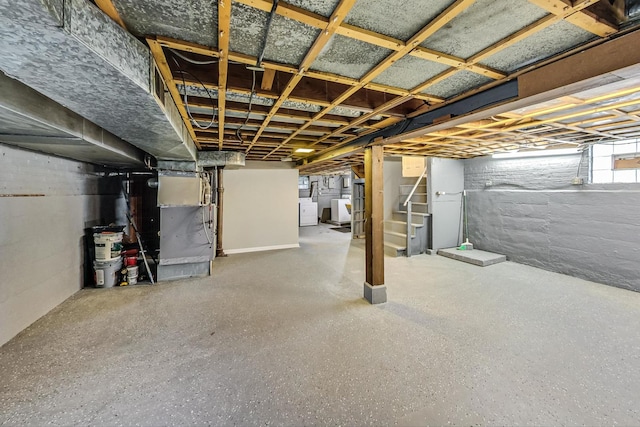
point(528, 210)
point(46, 202)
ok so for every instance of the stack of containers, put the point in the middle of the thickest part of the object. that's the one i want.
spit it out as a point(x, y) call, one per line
point(108, 255)
point(131, 265)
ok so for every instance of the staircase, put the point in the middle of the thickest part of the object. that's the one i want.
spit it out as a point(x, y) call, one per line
point(396, 228)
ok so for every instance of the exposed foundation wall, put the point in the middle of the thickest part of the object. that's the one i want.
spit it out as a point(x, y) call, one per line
point(528, 210)
point(260, 207)
point(46, 204)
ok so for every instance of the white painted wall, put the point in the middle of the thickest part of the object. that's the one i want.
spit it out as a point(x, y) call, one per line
point(46, 204)
point(260, 207)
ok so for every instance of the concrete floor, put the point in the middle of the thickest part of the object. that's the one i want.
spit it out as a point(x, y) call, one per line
point(285, 338)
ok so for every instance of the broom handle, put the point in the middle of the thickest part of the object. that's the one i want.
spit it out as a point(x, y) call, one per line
point(466, 221)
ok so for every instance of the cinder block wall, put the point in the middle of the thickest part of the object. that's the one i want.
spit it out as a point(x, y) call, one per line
point(45, 205)
point(528, 210)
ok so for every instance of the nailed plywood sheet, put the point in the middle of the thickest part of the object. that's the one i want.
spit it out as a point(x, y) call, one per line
point(349, 57)
point(409, 72)
point(544, 44)
point(400, 20)
point(484, 23)
point(460, 82)
point(194, 21)
point(321, 7)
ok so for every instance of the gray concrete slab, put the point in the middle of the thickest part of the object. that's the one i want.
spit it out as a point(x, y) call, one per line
point(475, 256)
point(286, 338)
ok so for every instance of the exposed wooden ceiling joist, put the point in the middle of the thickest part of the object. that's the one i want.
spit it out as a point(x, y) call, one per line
point(580, 16)
point(434, 25)
point(224, 32)
point(167, 75)
point(339, 13)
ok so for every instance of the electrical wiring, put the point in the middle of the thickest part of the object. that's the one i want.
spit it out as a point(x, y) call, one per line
point(193, 61)
point(246, 120)
point(266, 35)
point(258, 62)
point(186, 98)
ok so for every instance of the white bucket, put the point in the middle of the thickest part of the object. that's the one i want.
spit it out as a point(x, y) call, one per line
point(132, 274)
point(107, 272)
point(108, 246)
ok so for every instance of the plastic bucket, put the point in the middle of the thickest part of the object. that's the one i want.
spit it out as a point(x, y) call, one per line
point(130, 260)
point(107, 272)
point(132, 274)
point(108, 246)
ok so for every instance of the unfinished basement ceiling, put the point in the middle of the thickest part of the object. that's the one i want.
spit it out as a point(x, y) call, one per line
point(334, 72)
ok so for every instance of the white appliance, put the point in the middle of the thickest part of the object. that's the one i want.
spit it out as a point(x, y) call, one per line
point(339, 212)
point(308, 212)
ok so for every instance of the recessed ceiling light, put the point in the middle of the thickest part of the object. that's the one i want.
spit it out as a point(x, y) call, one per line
point(304, 150)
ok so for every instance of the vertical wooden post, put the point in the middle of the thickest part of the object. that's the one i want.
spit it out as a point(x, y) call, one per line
point(375, 290)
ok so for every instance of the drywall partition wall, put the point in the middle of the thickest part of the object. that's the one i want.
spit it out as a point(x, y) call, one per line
point(528, 210)
point(46, 203)
point(445, 183)
point(260, 207)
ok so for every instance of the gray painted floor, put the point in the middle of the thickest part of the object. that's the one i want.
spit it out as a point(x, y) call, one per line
point(285, 338)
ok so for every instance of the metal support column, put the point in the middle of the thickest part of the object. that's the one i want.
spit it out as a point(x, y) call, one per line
point(220, 192)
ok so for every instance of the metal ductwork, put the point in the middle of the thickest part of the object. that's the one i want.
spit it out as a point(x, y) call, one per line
point(71, 52)
point(32, 121)
point(229, 159)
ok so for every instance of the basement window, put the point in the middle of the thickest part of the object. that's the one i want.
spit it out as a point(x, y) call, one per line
point(615, 162)
point(303, 183)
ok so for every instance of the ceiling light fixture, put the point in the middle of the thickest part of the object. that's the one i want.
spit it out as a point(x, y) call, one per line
point(304, 150)
point(542, 153)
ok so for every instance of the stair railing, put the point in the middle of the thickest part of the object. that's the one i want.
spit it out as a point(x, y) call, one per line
point(407, 204)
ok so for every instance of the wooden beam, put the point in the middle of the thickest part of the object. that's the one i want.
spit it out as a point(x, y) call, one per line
point(359, 103)
point(267, 78)
point(605, 58)
point(285, 113)
point(459, 63)
point(338, 15)
point(165, 71)
point(108, 8)
point(374, 221)
point(358, 170)
point(318, 75)
point(371, 37)
point(224, 30)
point(578, 15)
point(363, 118)
point(434, 25)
